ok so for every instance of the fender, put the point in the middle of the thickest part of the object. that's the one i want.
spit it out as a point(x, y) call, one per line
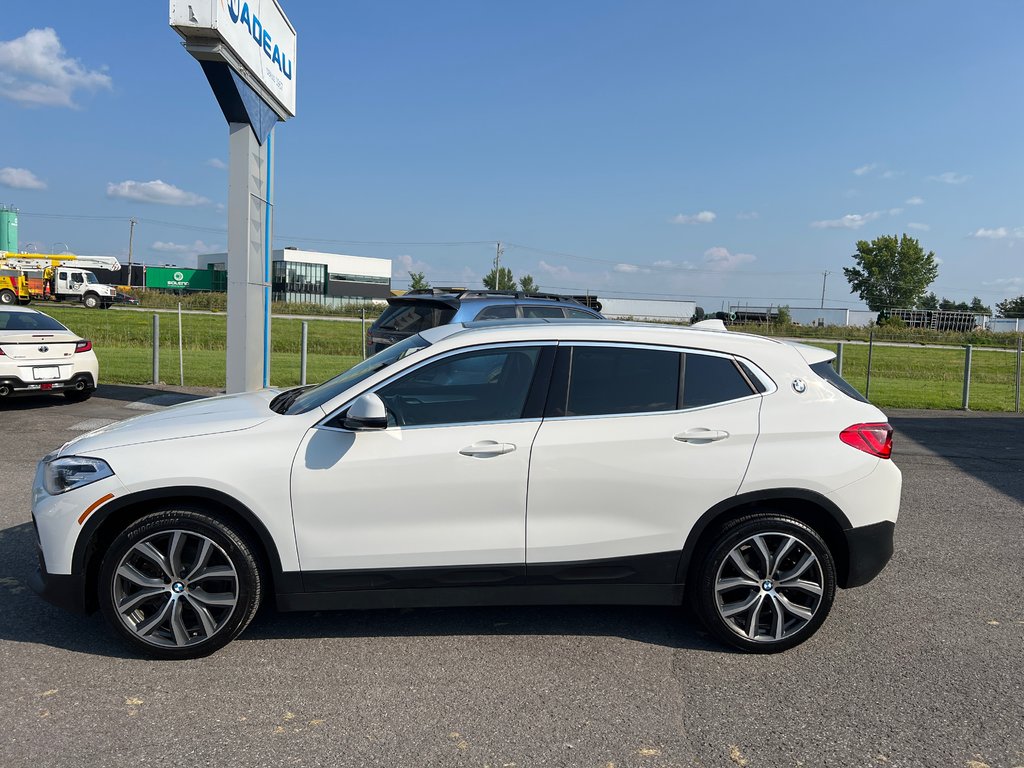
point(723, 508)
point(152, 498)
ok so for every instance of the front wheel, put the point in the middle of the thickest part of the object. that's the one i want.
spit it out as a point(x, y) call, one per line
point(766, 583)
point(179, 584)
point(91, 300)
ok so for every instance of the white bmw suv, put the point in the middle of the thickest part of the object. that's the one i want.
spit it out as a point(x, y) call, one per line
point(531, 462)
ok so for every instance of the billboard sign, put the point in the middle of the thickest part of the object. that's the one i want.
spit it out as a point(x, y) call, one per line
point(178, 279)
point(257, 34)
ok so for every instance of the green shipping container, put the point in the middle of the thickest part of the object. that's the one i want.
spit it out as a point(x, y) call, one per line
point(8, 229)
point(175, 279)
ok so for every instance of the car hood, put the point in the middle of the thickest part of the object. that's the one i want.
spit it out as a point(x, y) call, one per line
point(228, 413)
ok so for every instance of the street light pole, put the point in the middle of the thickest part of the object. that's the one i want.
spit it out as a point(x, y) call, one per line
point(131, 237)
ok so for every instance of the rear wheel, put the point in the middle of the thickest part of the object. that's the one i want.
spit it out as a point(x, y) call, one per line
point(179, 584)
point(8, 297)
point(766, 583)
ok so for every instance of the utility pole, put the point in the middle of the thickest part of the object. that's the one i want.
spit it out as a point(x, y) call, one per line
point(824, 277)
point(131, 237)
point(498, 250)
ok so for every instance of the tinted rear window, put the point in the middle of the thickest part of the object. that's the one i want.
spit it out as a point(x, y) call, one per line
point(28, 321)
point(609, 380)
point(543, 312)
point(499, 312)
point(413, 317)
point(829, 374)
point(710, 380)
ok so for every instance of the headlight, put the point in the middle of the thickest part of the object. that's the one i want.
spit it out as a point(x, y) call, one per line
point(70, 472)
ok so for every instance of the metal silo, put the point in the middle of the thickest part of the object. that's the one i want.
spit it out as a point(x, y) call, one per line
point(8, 229)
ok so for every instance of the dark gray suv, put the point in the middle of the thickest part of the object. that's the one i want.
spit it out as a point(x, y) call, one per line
point(417, 311)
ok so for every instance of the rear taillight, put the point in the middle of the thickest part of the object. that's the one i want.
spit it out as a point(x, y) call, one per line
point(83, 346)
point(875, 439)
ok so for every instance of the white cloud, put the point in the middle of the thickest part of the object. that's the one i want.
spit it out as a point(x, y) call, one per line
point(918, 225)
point(950, 177)
point(36, 71)
point(190, 248)
point(849, 221)
point(20, 178)
point(159, 192)
point(703, 217)
point(1011, 286)
point(865, 169)
point(719, 258)
point(664, 264)
point(402, 265)
point(554, 270)
point(998, 233)
point(892, 174)
point(915, 200)
point(895, 211)
point(216, 162)
point(630, 269)
point(748, 215)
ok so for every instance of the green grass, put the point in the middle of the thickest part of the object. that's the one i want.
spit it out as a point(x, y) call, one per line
point(124, 345)
point(901, 377)
point(922, 377)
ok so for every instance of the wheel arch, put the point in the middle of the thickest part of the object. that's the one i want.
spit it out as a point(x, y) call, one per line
point(106, 523)
point(809, 507)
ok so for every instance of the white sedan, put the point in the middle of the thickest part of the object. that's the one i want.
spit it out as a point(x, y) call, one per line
point(38, 355)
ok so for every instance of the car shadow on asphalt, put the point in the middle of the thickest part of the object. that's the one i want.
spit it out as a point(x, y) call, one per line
point(27, 618)
point(989, 448)
point(127, 394)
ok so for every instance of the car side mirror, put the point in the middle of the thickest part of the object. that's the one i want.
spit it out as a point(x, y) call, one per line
point(367, 412)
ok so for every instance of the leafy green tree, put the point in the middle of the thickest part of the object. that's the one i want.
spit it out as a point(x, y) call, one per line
point(418, 281)
point(784, 317)
point(978, 308)
point(1011, 307)
point(500, 279)
point(928, 301)
point(949, 305)
point(527, 286)
point(891, 272)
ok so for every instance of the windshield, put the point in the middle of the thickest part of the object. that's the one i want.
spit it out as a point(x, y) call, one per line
point(317, 396)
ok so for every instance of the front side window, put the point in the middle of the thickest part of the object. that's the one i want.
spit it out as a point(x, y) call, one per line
point(499, 312)
point(485, 385)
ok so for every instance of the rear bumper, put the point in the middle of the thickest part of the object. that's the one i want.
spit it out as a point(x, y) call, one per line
point(869, 547)
point(17, 386)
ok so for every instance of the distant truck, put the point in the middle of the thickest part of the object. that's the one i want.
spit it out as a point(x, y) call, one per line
point(26, 277)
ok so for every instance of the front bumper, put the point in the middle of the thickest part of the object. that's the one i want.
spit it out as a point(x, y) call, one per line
point(869, 548)
point(66, 591)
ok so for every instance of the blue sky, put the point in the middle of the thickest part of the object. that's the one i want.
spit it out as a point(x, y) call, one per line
point(715, 151)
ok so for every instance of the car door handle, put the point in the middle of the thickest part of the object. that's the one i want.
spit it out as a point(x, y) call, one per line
point(486, 448)
point(700, 436)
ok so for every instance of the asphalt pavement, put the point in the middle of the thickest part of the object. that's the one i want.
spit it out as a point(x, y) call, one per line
point(922, 667)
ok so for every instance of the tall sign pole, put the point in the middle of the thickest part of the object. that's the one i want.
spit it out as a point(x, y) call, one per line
point(247, 52)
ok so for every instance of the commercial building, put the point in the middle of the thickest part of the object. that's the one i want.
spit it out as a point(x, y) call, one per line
point(332, 279)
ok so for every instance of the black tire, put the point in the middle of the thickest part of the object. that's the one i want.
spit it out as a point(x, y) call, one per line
point(8, 297)
point(778, 610)
point(189, 636)
point(78, 395)
point(91, 300)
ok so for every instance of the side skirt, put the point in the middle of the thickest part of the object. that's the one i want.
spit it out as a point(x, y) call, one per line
point(445, 597)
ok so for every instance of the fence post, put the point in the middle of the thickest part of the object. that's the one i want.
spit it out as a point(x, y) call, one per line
point(967, 378)
point(871, 347)
point(1016, 396)
point(156, 349)
point(839, 358)
point(181, 351)
point(302, 354)
point(362, 329)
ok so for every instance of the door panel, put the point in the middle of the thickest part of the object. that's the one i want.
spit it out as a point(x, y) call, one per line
point(619, 486)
